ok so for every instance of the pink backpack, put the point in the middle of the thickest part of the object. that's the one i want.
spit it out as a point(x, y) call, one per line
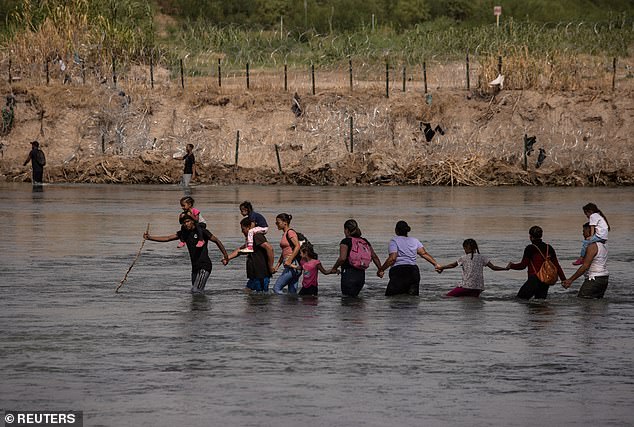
point(360, 254)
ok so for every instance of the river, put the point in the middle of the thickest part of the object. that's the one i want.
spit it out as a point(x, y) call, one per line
point(153, 355)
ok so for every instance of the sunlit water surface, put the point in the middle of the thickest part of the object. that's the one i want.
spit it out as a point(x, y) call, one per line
point(152, 355)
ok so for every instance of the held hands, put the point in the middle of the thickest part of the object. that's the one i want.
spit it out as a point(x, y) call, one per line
point(439, 268)
point(380, 273)
point(225, 261)
point(566, 283)
point(146, 236)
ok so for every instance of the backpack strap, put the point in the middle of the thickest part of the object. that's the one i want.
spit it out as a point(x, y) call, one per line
point(290, 242)
point(540, 252)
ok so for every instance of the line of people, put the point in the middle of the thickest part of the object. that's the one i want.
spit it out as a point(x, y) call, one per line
point(298, 258)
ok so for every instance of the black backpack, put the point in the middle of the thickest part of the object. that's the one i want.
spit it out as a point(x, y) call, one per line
point(40, 158)
point(300, 237)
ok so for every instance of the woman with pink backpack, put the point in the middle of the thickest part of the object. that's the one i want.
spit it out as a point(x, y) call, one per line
point(355, 256)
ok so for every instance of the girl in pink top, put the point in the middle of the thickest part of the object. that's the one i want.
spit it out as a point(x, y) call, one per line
point(187, 204)
point(310, 266)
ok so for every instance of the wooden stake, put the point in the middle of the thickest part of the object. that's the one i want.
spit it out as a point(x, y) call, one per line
point(351, 135)
point(114, 71)
point(237, 147)
point(468, 79)
point(147, 230)
point(387, 80)
point(425, 75)
point(277, 154)
point(219, 74)
point(613, 73)
point(350, 63)
point(151, 71)
point(312, 74)
point(182, 75)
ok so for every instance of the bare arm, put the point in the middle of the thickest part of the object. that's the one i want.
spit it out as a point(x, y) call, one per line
point(495, 267)
point(280, 261)
point(194, 171)
point(522, 264)
point(28, 159)
point(221, 247)
point(427, 257)
point(232, 255)
point(169, 238)
point(391, 259)
point(323, 270)
point(295, 244)
point(343, 256)
point(191, 213)
point(375, 258)
point(447, 266)
point(591, 252)
point(593, 230)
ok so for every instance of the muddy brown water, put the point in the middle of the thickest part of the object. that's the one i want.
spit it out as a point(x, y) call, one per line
point(154, 355)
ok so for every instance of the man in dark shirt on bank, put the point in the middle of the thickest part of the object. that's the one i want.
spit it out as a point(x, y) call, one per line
point(259, 262)
point(189, 171)
point(37, 159)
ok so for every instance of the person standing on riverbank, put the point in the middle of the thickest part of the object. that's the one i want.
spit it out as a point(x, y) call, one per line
point(534, 256)
point(473, 264)
point(199, 256)
point(38, 161)
point(594, 268)
point(189, 170)
point(355, 255)
point(403, 252)
point(289, 243)
point(259, 261)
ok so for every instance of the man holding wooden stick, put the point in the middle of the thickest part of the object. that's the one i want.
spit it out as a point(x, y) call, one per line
point(201, 263)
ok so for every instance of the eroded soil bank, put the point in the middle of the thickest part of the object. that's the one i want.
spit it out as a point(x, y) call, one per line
point(100, 134)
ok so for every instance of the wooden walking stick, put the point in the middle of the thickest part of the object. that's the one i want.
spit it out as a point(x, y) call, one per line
point(147, 230)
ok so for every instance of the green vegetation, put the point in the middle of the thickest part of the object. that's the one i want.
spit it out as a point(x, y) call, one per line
point(267, 33)
point(349, 15)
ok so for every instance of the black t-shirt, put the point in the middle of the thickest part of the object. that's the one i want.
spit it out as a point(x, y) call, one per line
point(258, 261)
point(348, 242)
point(199, 256)
point(33, 155)
point(189, 163)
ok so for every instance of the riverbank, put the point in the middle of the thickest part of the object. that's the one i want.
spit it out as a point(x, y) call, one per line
point(130, 134)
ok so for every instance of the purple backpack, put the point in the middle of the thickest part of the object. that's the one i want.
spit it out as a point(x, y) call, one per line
point(360, 254)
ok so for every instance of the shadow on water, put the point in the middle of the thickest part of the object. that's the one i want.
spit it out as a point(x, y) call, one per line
point(403, 302)
point(200, 303)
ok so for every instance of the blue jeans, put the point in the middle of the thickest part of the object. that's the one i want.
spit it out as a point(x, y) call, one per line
point(259, 285)
point(289, 277)
point(587, 242)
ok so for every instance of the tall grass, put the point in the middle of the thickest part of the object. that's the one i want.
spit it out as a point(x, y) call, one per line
point(92, 32)
point(441, 40)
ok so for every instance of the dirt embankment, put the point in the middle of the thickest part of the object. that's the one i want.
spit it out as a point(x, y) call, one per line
point(100, 135)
